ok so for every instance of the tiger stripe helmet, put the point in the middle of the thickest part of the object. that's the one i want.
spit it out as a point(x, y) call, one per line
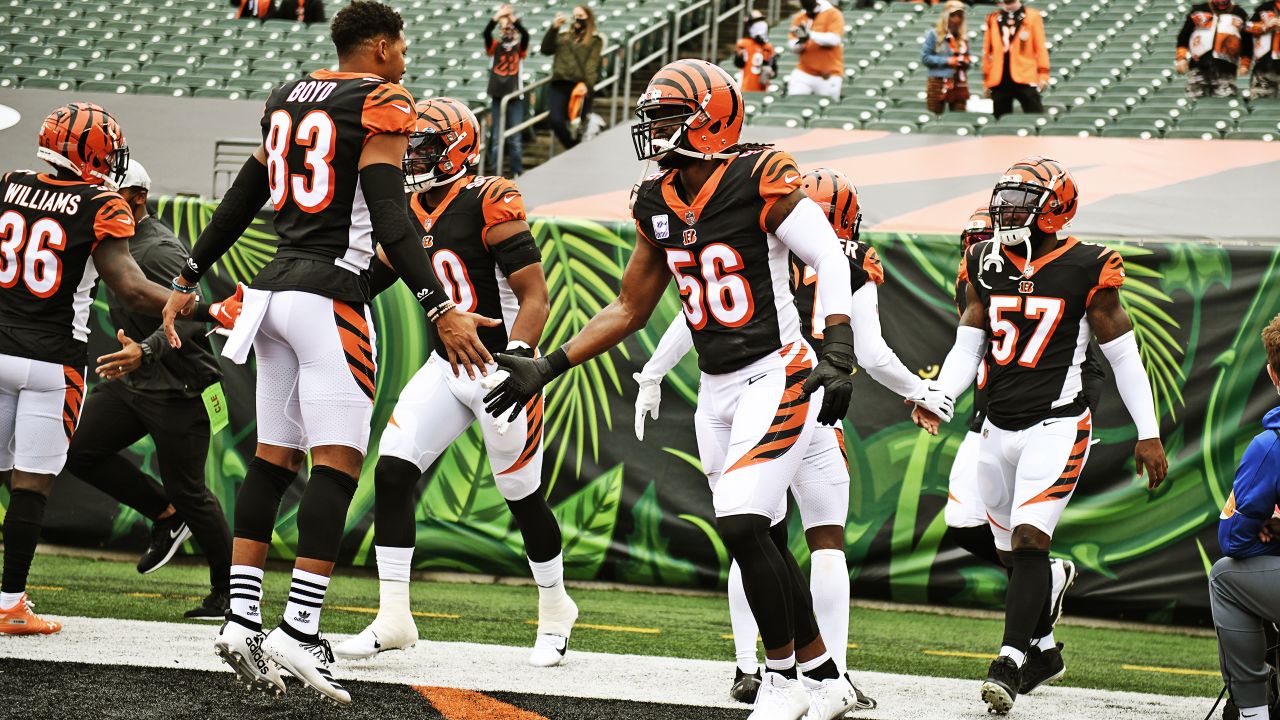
point(1035, 192)
point(445, 142)
point(978, 229)
point(84, 139)
point(691, 107)
point(838, 198)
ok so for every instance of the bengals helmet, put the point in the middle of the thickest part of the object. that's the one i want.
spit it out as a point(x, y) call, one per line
point(978, 229)
point(837, 197)
point(690, 107)
point(85, 140)
point(446, 141)
point(1036, 192)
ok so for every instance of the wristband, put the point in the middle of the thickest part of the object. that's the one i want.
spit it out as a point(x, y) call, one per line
point(438, 311)
point(184, 289)
point(558, 361)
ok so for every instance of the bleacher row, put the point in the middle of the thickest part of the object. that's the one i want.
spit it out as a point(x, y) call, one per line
point(1112, 76)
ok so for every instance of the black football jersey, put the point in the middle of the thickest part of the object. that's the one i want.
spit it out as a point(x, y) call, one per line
point(732, 273)
point(49, 229)
point(314, 130)
point(864, 267)
point(454, 234)
point(1040, 335)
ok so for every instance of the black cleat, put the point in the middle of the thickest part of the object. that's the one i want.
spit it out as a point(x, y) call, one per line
point(1043, 666)
point(166, 537)
point(1000, 689)
point(745, 686)
point(214, 607)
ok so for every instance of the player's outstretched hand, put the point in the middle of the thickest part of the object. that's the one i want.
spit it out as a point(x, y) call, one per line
point(925, 419)
point(1150, 457)
point(648, 398)
point(512, 387)
point(833, 374)
point(935, 400)
point(121, 362)
point(178, 305)
point(457, 331)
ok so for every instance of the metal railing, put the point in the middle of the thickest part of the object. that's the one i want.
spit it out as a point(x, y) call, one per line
point(736, 8)
point(702, 30)
point(634, 63)
point(229, 155)
point(618, 66)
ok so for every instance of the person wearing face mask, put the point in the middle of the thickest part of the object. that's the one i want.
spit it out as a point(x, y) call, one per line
point(1264, 26)
point(817, 32)
point(1242, 584)
point(574, 71)
point(755, 55)
point(1015, 58)
point(1213, 48)
point(508, 48)
point(946, 54)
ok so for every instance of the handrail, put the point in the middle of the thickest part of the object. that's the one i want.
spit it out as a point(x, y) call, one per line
point(236, 150)
point(704, 30)
point(611, 81)
point(504, 132)
point(738, 8)
point(633, 63)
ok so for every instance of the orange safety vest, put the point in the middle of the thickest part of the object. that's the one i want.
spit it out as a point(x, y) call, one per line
point(1028, 54)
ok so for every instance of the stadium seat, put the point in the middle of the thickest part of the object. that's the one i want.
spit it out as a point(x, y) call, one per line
point(1180, 134)
point(788, 120)
point(1070, 128)
point(105, 86)
point(846, 123)
point(1267, 136)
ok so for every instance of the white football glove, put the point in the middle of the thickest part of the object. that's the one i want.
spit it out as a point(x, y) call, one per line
point(491, 381)
point(648, 398)
point(932, 398)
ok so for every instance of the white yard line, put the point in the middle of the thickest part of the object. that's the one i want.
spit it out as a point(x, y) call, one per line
point(596, 675)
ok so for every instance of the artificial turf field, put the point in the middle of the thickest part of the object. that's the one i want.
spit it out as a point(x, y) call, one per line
point(641, 623)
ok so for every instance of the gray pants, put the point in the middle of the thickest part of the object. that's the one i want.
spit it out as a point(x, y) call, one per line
point(1244, 594)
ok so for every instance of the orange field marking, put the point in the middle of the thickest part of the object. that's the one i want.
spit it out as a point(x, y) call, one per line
point(456, 704)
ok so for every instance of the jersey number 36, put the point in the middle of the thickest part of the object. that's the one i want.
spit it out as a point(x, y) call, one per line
point(29, 253)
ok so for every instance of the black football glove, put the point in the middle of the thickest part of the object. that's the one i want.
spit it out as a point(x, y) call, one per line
point(834, 374)
point(519, 379)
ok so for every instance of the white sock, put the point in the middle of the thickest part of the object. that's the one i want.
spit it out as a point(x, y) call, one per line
point(394, 563)
point(8, 600)
point(393, 599)
point(778, 665)
point(246, 593)
point(809, 666)
point(1046, 642)
point(306, 597)
point(743, 623)
point(829, 583)
point(549, 576)
point(1014, 654)
point(1255, 713)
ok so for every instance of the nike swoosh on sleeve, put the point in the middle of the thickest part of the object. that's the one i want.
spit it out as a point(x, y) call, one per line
point(402, 108)
point(790, 179)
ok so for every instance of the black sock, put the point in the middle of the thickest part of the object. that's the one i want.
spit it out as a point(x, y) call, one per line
point(1044, 624)
point(394, 482)
point(322, 513)
point(804, 622)
point(22, 522)
point(765, 576)
point(978, 542)
point(1028, 587)
point(538, 526)
point(258, 501)
point(790, 673)
point(826, 671)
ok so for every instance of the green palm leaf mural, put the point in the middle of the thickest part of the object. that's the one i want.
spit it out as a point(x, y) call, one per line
point(649, 559)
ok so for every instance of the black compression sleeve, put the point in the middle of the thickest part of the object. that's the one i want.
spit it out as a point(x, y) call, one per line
point(383, 185)
point(381, 279)
point(516, 253)
point(246, 196)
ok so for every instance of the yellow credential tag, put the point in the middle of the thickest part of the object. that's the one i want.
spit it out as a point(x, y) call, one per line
point(215, 403)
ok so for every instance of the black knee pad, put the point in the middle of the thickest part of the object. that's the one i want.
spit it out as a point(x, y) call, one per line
point(258, 501)
point(537, 525)
point(394, 481)
point(322, 514)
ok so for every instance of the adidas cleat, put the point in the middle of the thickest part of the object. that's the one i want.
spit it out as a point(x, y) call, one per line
point(780, 698)
point(828, 699)
point(1043, 666)
point(745, 686)
point(21, 619)
point(554, 627)
point(307, 659)
point(241, 648)
point(381, 635)
point(1000, 689)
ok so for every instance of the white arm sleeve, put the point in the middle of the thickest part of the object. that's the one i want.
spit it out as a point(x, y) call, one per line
point(825, 39)
point(807, 233)
point(1132, 382)
point(873, 353)
point(961, 365)
point(673, 346)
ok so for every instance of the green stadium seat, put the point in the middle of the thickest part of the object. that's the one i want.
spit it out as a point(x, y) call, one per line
point(1130, 132)
point(910, 117)
point(1180, 134)
point(895, 127)
point(81, 75)
point(858, 116)
point(1272, 136)
point(227, 93)
point(46, 83)
point(166, 89)
point(1205, 125)
point(106, 86)
point(949, 127)
point(1067, 127)
point(1007, 129)
point(845, 123)
point(779, 120)
point(1253, 123)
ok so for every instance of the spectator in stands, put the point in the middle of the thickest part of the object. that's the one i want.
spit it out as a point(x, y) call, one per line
point(1015, 58)
point(817, 33)
point(1242, 585)
point(755, 55)
point(508, 50)
point(149, 388)
point(946, 54)
point(252, 9)
point(303, 11)
point(574, 72)
point(1213, 48)
point(1264, 26)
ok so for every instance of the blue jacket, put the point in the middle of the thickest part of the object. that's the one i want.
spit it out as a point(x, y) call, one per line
point(935, 55)
point(1254, 495)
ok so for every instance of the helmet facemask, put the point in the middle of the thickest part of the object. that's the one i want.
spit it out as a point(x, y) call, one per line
point(663, 127)
point(426, 163)
point(1015, 208)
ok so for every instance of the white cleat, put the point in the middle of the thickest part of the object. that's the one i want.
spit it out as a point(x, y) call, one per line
point(241, 648)
point(555, 624)
point(829, 699)
point(308, 661)
point(381, 635)
point(780, 698)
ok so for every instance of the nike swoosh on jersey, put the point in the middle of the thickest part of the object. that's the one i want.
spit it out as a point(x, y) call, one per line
point(1047, 423)
point(754, 379)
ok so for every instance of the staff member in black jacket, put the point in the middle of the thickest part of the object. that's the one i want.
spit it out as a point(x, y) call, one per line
point(149, 388)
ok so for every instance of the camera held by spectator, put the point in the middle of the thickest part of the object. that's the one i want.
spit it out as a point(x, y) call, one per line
point(755, 55)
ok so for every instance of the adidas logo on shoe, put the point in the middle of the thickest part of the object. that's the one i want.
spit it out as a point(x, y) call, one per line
point(254, 644)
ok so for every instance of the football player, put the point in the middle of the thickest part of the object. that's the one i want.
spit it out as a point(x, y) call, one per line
point(330, 164)
point(821, 485)
point(475, 232)
point(1033, 301)
point(59, 232)
point(722, 218)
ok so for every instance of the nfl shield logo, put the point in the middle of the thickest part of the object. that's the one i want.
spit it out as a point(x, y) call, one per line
point(690, 218)
point(426, 225)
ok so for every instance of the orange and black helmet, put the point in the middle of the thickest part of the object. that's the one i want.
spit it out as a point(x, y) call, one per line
point(1035, 192)
point(978, 229)
point(85, 140)
point(446, 141)
point(691, 107)
point(837, 197)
